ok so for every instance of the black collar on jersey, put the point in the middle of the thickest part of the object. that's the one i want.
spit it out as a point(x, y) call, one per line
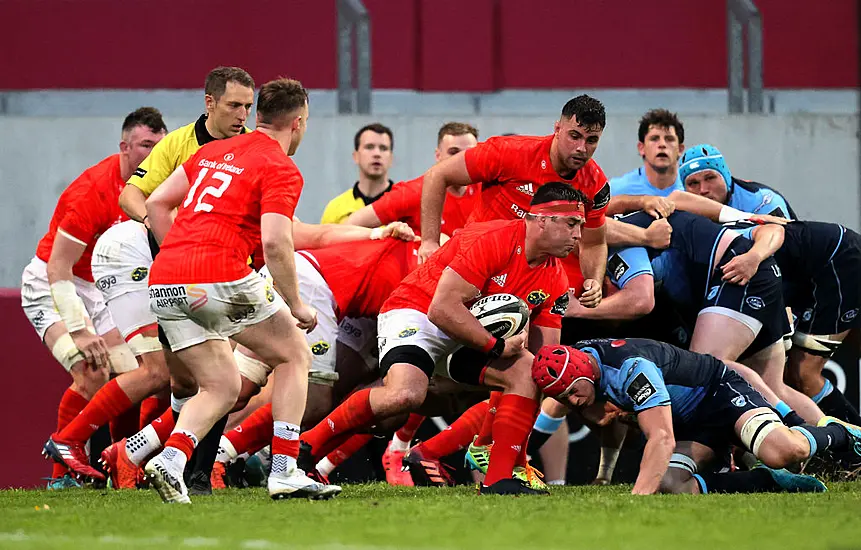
point(202, 134)
point(357, 194)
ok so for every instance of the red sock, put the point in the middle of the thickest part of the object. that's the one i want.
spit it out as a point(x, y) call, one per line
point(181, 442)
point(126, 423)
point(409, 429)
point(164, 424)
point(458, 435)
point(350, 416)
point(485, 435)
point(514, 420)
point(151, 408)
point(71, 404)
point(107, 404)
point(348, 448)
point(254, 432)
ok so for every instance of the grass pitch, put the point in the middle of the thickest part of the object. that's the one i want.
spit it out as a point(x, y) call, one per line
point(378, 516)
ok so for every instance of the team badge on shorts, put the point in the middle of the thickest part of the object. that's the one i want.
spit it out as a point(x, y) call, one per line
point(755, 302)
point(808, 313)
point(407, 332)
point(270, 296)
point(537, 297)
point(139, 274)
point(712, 292)
point(320, 348)
point(738, 401)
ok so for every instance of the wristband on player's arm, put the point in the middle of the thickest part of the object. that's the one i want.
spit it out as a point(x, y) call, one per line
point(494, 347)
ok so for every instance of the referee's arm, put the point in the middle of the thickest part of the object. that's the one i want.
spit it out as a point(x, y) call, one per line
point(149, 175)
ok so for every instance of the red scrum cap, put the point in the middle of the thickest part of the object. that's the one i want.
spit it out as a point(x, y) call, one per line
point(556, 368)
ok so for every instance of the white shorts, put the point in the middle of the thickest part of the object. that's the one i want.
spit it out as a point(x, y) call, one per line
point(315, 292)
point(360, 335)
point(408, 327)
point(121, 263)
point(190, 314)
point(39, 306)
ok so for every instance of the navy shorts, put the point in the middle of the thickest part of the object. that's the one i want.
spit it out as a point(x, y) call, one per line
point(761, 298)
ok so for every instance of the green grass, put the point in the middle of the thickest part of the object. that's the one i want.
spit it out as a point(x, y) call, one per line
point(378, 516)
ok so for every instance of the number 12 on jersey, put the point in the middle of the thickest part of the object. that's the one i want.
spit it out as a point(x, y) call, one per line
point(216, 192)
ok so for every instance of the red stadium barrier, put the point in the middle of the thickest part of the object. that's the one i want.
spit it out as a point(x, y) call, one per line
point(29, 404)
point(480, 45)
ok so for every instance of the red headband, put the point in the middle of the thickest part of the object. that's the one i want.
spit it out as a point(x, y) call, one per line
point(559, 208)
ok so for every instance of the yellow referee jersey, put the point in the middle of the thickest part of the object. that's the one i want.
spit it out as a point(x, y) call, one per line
point(169, 153)
point(351, 200)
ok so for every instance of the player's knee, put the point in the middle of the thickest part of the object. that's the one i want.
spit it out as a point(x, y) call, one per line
point(406, 399)
point(88, 380)
point(782, 448)
point(519, 379)
point(248, 389)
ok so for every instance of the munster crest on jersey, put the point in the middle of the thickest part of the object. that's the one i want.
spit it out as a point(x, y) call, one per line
point(537, 297)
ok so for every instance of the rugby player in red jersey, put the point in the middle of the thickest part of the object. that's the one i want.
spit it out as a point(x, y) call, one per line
point(238, 193)
point(403, 201)
point(59, 296)
point(513, 168)
point(427, 319)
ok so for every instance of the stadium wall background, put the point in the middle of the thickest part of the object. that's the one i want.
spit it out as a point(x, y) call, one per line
point(36, 384)
point(812, 159)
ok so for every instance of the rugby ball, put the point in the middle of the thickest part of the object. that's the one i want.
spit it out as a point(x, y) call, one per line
point(503, 315)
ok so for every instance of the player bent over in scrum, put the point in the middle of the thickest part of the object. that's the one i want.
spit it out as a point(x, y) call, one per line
point(64, 306)
point(203, 292)
point(426, 320)
point(691, 408)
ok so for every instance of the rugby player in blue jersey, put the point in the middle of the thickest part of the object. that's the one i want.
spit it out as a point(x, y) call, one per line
point(691, 408)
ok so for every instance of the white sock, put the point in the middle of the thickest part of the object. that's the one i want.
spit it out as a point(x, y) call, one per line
point(174, 457)
point(142, 444)
point(325, 466)
point(398, 445)
point(226, 451)
point(290, 432)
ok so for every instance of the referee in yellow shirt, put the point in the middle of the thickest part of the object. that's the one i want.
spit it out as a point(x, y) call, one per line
point(229, 95)
point(372, 152)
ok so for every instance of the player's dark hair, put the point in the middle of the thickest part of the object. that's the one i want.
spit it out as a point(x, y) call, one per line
point(455, 129)
point(280, 98)
point(588, 110)
point(217, 79)
point(145, 116)
point(377, 128)
point(661, 118)
point(557, 191)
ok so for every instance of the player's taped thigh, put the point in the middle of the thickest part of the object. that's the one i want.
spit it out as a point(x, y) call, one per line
point(324, 378)
point(683, 462)
point(822, 345)
point(411, 355)
point(141, 344)
point(757, 427)
point(66, 352)
point(253, 369)
point(122, 359)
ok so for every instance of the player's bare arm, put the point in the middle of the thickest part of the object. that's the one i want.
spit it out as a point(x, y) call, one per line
point(447, 173)
point(542, 336)
point(632, 302)
point(133, 203)
point(593, 263)
point(64, 255)
point(276, 233)
point(767, 239)
point(309, 236)
point(162, 204)
point(657, 425)
point(621, 234)
point(364, 217)
point(655, 206)
point(448, 311)
point(715, 211)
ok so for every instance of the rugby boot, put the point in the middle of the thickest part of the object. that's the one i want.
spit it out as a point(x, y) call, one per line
point(509, 486)
point(426, 471)
point(167, 480)
point(393, 465)
point(295, 484)
point(72, 456)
